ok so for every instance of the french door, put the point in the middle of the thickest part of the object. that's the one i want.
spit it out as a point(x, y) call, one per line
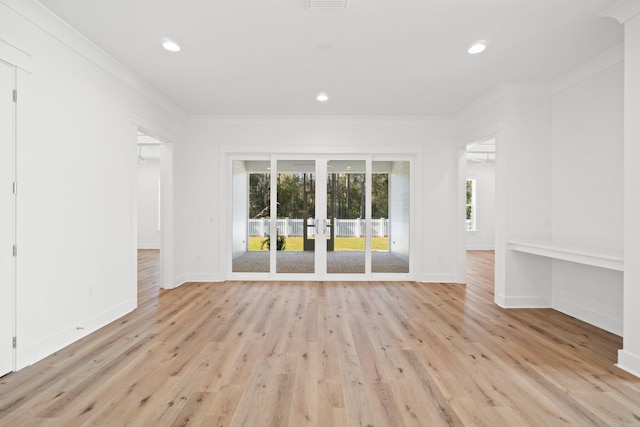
point(320, 218)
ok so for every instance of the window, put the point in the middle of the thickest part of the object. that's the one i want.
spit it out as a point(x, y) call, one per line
point(159, 205)
point(471, 205)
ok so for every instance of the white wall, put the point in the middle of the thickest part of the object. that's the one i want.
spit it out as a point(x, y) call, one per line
point(526, 151)
point(148, 204)
point(206, 185)
point(78, 112)
point(484, 236)
point(519, 117)
point(627, 12)
point(588, 183)
point(629, 357)
point(399, 209)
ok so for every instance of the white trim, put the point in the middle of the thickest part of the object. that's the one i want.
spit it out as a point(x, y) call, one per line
point(179, 281)
point(51, 344)
point(490, 132)
point(230, 154)
point(629, 362)
point(304, 120)
point(204, 277)
point(437, 278)
point(608, 59)
point(622, 11)
point(37, 15)
point(526, 302)
point(287, 151)
point(8, 219)
point(148, 246)
point(13, 55)
point(153, 129)
point(481, 247)
point(587, 315)
point(491, 97)
point(499, 92)
point(582, 254)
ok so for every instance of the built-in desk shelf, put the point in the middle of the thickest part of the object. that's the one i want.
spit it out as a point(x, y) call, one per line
point(582, 254)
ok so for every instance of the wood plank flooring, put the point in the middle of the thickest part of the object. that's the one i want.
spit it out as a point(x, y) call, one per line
point(328, 354)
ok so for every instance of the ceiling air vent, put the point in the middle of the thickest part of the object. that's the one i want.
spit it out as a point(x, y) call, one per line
point(328, 4)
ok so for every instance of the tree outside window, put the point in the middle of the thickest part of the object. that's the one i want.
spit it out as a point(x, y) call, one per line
point(471, 205)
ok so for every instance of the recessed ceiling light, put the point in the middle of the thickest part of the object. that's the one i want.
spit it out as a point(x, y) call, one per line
point(322, 97)
point(477, 47)
point(170, 45)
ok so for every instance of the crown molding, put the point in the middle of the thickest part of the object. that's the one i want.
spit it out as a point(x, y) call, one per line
point(622, 11)
point(501, 91)
point(608, 59)
point(35, 14)
point(324, 120)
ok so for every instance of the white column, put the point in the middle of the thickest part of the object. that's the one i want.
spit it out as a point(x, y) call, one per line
point(627, 12)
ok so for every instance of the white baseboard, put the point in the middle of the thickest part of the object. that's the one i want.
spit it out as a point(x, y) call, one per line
point(149, 246)
point(481, 247)
point(180, 280)
point(525, 302)
point(31, 353)
point(588, 315)
point(629, 362)
point(205, 277)
point(436, 278)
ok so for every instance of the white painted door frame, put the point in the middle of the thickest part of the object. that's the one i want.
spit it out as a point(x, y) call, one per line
point(321, 158)
point(167, 279)
point(8, 196)
point(491, 132)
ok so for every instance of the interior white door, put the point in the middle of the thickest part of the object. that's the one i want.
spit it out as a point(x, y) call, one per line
point(7, 223)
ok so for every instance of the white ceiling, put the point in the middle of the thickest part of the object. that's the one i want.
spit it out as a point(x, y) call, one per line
point(378, 57)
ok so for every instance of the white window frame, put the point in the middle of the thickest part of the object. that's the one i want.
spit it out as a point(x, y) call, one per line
point(471, 225)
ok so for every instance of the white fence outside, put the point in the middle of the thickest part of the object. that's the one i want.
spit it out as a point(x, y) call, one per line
point(344, 227)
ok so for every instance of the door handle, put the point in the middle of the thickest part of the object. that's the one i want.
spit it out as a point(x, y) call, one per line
point(320, 226)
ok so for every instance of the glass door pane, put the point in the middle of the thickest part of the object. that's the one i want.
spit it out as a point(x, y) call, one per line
point(296, 220)
point(251, 198)
point(346, 216)
point(390, 233)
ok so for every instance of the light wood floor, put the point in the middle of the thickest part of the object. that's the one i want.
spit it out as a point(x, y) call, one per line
point(328, 354)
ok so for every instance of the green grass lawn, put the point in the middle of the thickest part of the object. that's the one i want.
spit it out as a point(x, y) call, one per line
point(341, 244)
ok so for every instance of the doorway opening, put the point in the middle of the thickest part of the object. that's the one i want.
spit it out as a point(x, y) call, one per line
point(149, 212)
point(480, 195)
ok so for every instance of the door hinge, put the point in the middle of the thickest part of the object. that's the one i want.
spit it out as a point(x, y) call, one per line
point(15, 250)
point(15, 187)
point(15, 342)
point(15, 95)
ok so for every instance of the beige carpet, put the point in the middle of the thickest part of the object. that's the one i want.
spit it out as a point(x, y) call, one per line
point(303, 262)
